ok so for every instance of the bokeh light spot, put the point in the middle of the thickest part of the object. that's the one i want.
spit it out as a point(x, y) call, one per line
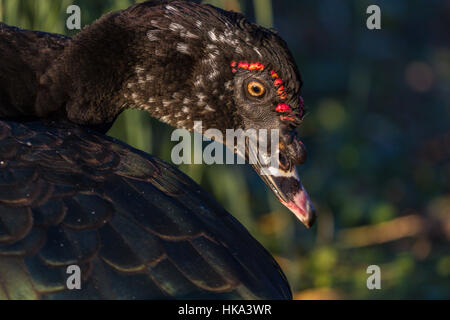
point(348, 156)
point(382, 212)
point(443, 266)
point(331, 114)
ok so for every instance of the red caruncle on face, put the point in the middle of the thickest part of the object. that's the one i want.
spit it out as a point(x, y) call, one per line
point(278, 83)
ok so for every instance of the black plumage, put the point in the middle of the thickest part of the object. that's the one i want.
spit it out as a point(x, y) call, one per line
point(137, 227)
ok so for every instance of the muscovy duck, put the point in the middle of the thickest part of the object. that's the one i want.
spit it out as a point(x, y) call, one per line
point(136, 226)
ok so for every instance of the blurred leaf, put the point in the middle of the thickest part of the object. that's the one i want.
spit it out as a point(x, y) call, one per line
point(263, 12)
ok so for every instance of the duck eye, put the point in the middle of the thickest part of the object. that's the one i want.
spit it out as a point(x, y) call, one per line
point(255, 88)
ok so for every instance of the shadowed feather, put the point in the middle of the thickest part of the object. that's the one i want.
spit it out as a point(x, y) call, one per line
point(137, 227)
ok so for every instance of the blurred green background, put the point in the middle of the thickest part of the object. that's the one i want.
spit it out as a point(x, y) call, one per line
point(377, 133)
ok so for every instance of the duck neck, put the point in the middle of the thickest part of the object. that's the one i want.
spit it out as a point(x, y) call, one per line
point(85, 84)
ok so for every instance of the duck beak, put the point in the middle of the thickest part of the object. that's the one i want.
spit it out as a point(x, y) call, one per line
point(282, 177)
point(289, 190)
